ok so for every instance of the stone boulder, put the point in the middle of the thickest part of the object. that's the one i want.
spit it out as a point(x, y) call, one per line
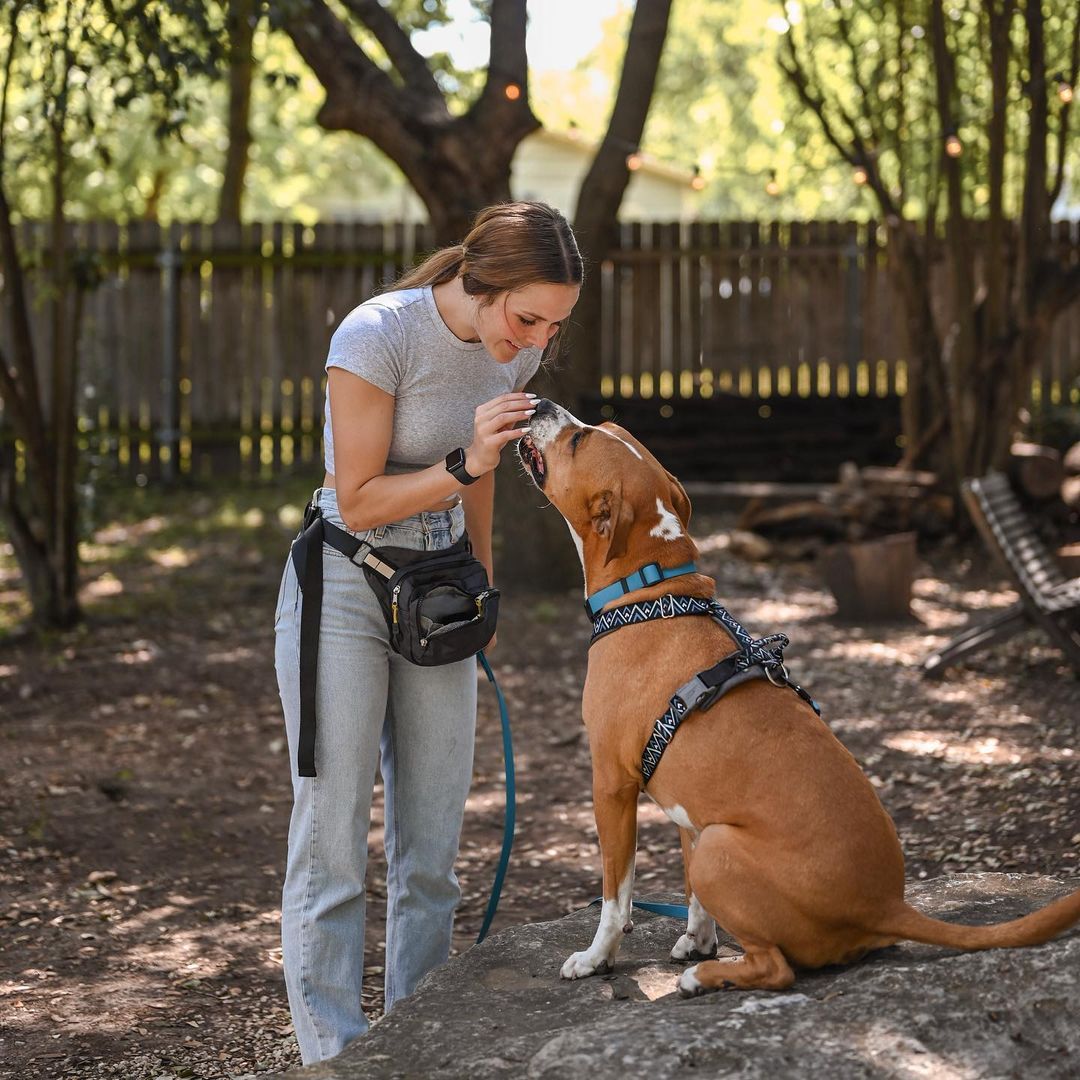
point(501, 1010)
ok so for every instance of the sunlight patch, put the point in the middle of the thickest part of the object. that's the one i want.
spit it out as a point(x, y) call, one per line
point(984, 750)
point(106, 585)
point(172, 557)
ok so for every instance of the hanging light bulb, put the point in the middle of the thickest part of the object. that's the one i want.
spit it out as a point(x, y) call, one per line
point(698, 182)
point(953, 146)
point(634, 160)
point(772, 186)
point(512, 91)
point(1064, 90)
point(860, 175)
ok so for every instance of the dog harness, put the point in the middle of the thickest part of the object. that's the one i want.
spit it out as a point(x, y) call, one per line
point(754, 658)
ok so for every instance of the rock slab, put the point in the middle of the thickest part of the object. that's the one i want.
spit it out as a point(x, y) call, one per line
point(500, 1009)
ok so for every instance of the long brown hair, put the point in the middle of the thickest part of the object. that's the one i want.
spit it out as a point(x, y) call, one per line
point(511, 245)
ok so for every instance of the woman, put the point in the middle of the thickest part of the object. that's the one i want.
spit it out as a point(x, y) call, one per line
point(425, 385)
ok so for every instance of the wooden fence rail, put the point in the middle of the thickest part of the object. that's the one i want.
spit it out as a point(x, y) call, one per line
point(203, 347)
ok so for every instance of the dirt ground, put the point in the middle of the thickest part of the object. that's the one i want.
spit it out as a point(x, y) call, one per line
point(145, 782)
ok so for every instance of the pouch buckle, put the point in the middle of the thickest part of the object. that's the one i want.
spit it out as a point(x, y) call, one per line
point(371, 559)
point(689, 694)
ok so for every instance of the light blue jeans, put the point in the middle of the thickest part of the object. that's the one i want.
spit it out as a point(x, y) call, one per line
point(374, 708)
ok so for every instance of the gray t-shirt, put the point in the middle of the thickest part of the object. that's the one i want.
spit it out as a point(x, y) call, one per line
point(399, 343)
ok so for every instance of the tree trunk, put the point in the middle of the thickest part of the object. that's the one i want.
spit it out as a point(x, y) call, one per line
point(602, 191)
point(924, 415)
point(40, 515)
point(241, 22)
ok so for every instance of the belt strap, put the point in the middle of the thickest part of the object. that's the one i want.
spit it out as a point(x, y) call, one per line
point(307, 556)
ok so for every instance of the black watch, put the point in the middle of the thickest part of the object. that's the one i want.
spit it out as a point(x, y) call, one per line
point(455, 465)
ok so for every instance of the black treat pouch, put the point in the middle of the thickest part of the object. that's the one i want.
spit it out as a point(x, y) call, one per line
point(438, 605)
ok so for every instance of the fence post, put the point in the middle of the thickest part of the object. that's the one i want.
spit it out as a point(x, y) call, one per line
point(853, 300)
point(169, 431)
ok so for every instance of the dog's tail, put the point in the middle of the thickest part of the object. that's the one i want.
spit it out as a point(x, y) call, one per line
point(1033, 929)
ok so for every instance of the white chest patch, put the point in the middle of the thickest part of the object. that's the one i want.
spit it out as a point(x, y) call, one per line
point(580, 548)
point(670, 528)
point(681, 818)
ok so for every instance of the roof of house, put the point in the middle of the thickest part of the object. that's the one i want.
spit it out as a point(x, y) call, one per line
point(649, 164)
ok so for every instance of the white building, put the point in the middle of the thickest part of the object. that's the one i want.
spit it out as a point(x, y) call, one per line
point(549, 166)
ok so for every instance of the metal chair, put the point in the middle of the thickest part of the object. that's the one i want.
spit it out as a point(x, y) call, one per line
point(1048, 599)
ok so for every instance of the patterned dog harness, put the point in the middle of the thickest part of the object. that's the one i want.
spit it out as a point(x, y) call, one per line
point(754, 658)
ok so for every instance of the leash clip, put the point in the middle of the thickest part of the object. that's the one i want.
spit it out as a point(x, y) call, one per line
point(780, 679)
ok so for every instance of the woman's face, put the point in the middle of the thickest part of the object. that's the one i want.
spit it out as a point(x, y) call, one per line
point(525, 317)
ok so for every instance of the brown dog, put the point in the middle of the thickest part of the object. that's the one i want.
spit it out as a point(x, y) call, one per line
point(784, 840)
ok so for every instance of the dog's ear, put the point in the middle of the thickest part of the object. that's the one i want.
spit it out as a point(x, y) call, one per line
point(612, 516)
point(679, 500)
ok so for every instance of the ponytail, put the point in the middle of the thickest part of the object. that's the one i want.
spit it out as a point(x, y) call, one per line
point(439, 266)
point(511, 245)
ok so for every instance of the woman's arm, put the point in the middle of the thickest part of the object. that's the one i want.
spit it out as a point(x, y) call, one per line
point(362, 418)
point(478, 501)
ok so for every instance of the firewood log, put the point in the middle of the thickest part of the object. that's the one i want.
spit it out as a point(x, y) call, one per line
point(1070, 492)
point(1036, 471)
point(1071, 460)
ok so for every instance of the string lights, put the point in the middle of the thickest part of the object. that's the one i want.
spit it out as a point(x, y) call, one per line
point(953, 146)
point(1064, 88)
point(512, 91)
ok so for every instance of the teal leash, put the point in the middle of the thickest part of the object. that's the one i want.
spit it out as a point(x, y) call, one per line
point(511, 803)
point(672, 911)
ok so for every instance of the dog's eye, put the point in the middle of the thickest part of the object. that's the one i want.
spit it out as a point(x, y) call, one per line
point(575, 439)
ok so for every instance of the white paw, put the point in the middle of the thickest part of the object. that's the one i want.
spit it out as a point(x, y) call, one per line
point(688, 985)
point(582, 964)
point(688, 948)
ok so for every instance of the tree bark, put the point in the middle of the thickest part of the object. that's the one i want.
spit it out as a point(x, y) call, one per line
point(456, 164)
point(241, 22)
point(970, 370)
point(602, 191)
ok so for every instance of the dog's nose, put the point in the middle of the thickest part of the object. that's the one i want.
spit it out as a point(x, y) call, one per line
point(544, 407)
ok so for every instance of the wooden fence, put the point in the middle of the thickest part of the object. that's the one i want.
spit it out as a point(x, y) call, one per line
point(203, 348)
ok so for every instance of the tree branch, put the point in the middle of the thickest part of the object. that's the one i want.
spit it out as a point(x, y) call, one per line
point(855, 154)
point(399, 48)
point(1035, 213)
point(999, 18)
point(945, 82)
point(864, 92)
point(360, 96)
point(9, 62)
point(1063, 115)
point(18, 378)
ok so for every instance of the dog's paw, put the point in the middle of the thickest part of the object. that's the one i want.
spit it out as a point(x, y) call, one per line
point(688, 948)
point(583, 964)
point(688, 985)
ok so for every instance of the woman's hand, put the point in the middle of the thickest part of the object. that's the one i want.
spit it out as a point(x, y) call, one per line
point(493, 428)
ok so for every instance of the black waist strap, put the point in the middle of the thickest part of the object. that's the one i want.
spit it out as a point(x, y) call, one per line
point(307, 557)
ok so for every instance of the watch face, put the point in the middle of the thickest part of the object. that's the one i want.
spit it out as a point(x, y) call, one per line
point(455, 459)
